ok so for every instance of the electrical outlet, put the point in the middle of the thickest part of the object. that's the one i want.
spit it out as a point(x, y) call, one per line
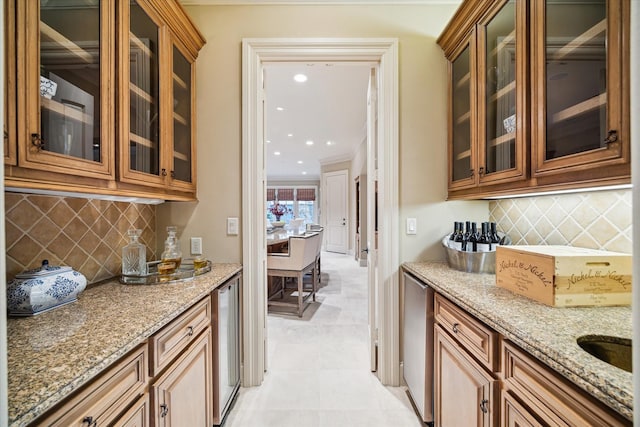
point(232, 226)
point(196, 246)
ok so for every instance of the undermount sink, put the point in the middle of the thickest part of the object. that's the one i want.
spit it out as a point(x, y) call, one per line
point(615, 351)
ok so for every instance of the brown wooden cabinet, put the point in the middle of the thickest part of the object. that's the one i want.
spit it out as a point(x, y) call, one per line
point(535, 103)
point(535, 395)
point(182, 395)
point(181, 366)
point(104, 400)
point(108, 105)
point(465, 383)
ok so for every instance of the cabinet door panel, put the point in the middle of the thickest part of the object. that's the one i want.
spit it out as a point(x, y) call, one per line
point(462, 118)
point(182, 162)
point(183, 394)
point(580, 73)
point(502, 117)
point(67, 76)
point(464, 392)
point(514, 414)
point(141, 117)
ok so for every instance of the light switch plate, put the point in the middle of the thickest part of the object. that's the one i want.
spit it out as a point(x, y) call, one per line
point(196, 246)
point(232, 226)
point(412, 226)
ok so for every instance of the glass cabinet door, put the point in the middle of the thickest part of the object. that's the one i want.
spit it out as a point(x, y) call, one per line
point(182, 118)
point(501, 147)
point(578, 71)
point(68, 86)
point(462, 113)
point(142, 94)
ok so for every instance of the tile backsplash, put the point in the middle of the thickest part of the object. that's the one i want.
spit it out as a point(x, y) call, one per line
point(86, 234)
point(597, 220)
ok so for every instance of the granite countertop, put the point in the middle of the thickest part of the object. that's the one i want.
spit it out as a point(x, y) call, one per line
point(54, 353)
point(547, 333)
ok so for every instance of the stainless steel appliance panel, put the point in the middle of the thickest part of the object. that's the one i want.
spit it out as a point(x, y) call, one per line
point(418, 344)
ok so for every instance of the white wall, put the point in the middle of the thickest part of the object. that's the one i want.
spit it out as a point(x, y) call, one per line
point(422, 105)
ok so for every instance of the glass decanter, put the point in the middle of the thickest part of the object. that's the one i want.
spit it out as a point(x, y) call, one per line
point(134, 255)
point(172, 256)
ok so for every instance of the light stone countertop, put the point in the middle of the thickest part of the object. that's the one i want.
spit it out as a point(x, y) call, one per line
point(54, 353)
point(547, 333)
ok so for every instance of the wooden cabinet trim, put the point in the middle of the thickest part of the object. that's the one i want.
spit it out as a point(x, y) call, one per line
point(553, 398)
point(479, 340)
point(171, 340)
point(106, 397)
point(514, 414)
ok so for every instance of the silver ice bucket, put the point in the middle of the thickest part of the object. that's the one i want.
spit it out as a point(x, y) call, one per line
point(470, 262)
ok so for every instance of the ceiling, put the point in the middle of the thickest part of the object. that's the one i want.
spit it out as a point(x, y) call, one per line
point(322, 120)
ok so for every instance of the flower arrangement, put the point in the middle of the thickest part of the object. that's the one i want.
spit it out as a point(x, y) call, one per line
point(278, 210)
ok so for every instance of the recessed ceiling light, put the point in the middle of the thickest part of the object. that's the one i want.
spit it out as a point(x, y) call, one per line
point(300, 162)
point(279, 108)
point(276, 153)
point(309, 142)
point(330, 142)
point(304, 173)
point(289, 135)
point(268, 141)
point(300, 78)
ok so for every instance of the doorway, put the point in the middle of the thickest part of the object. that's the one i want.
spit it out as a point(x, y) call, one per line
point(256, 52)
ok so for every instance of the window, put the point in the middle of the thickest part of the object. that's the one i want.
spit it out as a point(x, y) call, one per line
point(297, 202)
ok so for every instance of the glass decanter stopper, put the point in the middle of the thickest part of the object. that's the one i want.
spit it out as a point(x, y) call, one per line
point(134, 255)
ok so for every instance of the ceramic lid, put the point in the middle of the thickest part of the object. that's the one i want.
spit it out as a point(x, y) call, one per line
point(44, 270)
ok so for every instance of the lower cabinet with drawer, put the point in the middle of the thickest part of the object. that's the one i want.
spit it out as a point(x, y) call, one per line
point(105, 400)
point(483, 379)
point(534, 395)
point(181, 366)
point(465, 384)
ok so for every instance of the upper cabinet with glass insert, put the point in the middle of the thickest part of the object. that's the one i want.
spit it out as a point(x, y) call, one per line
point(65, 119)
point(579, 89)
point(100, 112)
point(550, 81)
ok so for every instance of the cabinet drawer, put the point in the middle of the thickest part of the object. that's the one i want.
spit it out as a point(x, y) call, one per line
point(549, 396)
point(479, 340)
point(171, 340)
point(105, 398)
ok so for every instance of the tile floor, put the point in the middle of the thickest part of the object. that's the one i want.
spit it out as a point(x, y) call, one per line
point(318, 372)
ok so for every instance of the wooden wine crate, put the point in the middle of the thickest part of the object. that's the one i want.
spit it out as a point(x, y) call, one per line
point(564, 276)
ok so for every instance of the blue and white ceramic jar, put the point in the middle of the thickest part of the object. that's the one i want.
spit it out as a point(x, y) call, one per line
point(44, 288)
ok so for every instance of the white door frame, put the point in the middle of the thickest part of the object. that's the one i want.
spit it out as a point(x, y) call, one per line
point(255, 52)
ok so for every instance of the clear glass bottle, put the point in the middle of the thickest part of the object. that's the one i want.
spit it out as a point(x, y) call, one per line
point(134, 255)
point(172, 256)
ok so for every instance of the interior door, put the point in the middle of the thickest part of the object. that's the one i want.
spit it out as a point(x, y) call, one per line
point(336, 208)
point(371, 234)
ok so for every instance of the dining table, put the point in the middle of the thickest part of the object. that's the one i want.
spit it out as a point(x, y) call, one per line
point(278, 238)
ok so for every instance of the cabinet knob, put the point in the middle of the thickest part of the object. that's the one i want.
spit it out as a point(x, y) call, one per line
point(612, 136)
point(173, 174)
point(471, 171)
point(164, 409)
point(481, 170)
point(455, 327)
point(163, 172)
point(190, 330)
point(483, 406)
point(37, 141)
point(89, 421)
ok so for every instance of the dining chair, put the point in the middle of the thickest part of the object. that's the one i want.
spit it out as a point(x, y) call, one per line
point(299, 260)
